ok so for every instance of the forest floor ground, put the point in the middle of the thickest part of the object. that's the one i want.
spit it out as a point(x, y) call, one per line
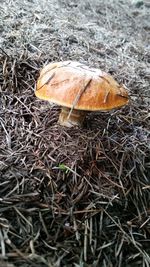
point(75, 197)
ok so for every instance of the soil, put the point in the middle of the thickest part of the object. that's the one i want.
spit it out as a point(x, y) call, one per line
point(80, 196)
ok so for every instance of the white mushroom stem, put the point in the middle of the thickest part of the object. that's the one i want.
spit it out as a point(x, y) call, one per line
point(70, 118)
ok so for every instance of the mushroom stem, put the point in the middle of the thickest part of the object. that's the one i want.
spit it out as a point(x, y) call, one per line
point(73, 118)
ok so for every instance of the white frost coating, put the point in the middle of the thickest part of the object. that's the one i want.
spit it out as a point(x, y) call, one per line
point(79, 67)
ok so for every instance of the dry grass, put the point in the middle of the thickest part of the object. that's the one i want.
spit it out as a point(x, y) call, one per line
point(75, 197)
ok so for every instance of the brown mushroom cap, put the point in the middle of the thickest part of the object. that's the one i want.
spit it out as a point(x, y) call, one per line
point(71, 83)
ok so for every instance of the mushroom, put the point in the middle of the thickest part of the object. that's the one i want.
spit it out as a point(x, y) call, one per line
point(79, 89)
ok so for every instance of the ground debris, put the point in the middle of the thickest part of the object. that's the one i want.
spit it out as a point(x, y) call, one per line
point(74, 197)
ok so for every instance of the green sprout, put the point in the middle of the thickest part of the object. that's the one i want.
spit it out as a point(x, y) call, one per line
point(63, 167)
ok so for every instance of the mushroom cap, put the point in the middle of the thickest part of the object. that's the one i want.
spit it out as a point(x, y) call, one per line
point(74, 85)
